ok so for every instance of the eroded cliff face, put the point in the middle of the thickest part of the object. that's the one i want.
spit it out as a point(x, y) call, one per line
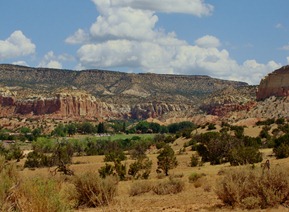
point(79, 105)
point(62, 105)
point(228, 100)
point(274, 84)
point(102, 95)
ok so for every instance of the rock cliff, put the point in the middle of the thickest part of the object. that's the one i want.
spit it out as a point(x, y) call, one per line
point(230, 99)
point(274, 84)
point(98, 94)
point(64, 105)
point(78, 105)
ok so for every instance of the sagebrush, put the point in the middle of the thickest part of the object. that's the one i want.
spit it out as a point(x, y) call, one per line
point(93, 191)
point(252, 188)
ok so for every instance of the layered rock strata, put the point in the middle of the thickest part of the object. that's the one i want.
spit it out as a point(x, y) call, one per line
point(86, 106)
point(274, 84)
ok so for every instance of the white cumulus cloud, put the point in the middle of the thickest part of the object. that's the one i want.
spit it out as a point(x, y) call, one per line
point(50, 61)
point(208, 41)
point(17, 44)
point(79, 36)
point(251, 71)
point(125, 36)
point(21, 63)
point(125, 23)
point(194, 7)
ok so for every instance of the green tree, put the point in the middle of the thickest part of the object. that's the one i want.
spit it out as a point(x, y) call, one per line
point(101, 128)
point(63, 152)
point(143, 126)
point(244, 155)
point(87, 128)
point(141, 168)
point(138, 150)
point(167, 159)
point(194, 160)
point(36, 133)
point(106, 170)
point(155, 127)
point(117, 155)
point(71, 129)
point(239, 131)
point(185, 125)
point(214, 147)
point(25, 130)
point(60, 130)
point(282, 151)
point(14, 152)
point(36, 160)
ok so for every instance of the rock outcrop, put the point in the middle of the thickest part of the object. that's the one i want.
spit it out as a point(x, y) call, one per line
point(274, 84)
point(98, 94)
point(79, 105)
point(62, 105)
point(222, 110)
point(230, 100)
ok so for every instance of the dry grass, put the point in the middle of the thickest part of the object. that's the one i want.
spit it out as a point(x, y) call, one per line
point(93, 191)
point(9, 182)
point(40, 194)
point(188, 199)
point(141, 187)
point(169, 186)
point(253, 189)
point(193, 198)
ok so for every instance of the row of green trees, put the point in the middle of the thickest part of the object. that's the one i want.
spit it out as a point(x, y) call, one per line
point(221, 147)
point(62, 130)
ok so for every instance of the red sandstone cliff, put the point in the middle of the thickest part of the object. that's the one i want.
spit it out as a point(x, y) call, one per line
point(224, 109)
point(62, 105)
point(275, 84)
point(82, 105)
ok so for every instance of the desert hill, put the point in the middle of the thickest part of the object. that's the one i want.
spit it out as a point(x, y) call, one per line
point(104, 94)
point(111, 85)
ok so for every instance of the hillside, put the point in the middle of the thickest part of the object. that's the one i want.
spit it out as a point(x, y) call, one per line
point(104, 94)
point(111, 85)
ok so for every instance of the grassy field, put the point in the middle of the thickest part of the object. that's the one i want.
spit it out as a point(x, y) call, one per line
point(114, 137)
point(199, 196)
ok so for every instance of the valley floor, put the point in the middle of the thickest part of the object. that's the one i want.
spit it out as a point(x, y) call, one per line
point(198, 196)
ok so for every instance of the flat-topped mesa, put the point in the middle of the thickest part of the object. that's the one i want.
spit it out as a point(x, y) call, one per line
point(274, 84)
point(102, 94)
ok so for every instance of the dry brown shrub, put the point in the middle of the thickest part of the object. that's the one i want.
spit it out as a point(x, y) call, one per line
point(195, 176)
point(170, 186)
point(28, 194)
point(251, 189)
point(140, 187)
point(93, 191)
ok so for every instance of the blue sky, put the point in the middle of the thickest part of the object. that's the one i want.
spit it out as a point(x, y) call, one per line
point(238, 40)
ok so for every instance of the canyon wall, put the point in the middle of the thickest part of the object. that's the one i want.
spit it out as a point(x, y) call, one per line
point(80, 105)
point(274, 84)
